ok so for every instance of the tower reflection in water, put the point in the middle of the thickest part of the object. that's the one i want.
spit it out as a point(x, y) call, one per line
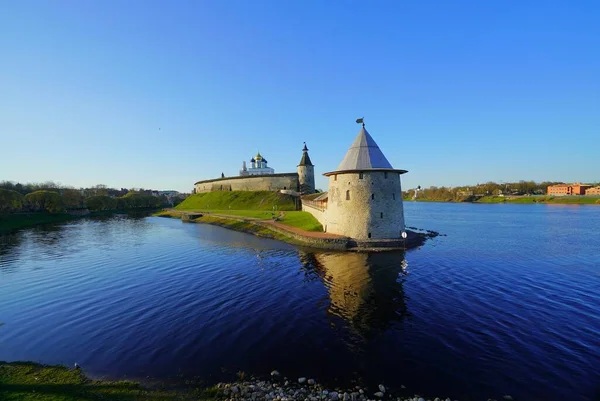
point(365, 289)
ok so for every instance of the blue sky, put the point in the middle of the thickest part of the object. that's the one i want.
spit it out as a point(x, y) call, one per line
point(162, 94)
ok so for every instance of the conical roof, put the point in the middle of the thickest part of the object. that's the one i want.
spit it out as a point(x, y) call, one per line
point(305, 161)
point(364, 154)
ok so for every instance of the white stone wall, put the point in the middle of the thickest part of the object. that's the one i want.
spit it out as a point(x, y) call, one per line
point(306, 176)
point(250, 183)
point(317, 214)
point(375, 205)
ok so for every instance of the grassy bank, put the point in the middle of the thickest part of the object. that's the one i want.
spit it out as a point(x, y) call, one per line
point(559, 200)
point(298, 219)
point(26, 381)
point(564, 200)
point(237, 225)
point(11, 222)
point(16, 221)
point(238, 200)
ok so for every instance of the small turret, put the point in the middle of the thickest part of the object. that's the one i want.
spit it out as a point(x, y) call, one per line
point(306, 173)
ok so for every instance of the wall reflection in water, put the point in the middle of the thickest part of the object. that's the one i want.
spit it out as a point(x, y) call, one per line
point(365, 289)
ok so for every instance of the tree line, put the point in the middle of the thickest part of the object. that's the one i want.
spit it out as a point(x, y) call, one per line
point(457, 194)
point(54, 198)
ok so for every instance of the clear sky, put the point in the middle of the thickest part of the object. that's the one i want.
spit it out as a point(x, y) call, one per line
point(162, 94)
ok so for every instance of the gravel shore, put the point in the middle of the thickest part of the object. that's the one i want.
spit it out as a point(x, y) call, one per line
point(306, 389)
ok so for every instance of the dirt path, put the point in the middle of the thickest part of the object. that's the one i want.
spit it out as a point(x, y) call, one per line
point(295, 230)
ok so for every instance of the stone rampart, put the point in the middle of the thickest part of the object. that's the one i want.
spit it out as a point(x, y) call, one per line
point(316, 210)
point(270, 182)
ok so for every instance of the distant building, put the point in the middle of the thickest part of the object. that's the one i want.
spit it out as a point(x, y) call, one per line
point(593, 191)
point(568, 189)
point(260, 177)
point(560, 190)
point(258, 167)
point(579, 189)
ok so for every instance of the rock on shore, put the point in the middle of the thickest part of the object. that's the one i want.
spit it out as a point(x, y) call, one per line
point(307, 390)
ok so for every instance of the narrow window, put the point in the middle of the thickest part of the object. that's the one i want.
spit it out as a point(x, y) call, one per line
point(381, 215)
point(335, 177)
point(372, 196)
point(394, 196)
point(385, 174)
point(360, 175)
point(348, 195)
point(369, 235)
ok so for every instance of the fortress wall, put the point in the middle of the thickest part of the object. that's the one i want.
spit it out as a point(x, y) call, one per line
point(317, 213)
point(272, 182)
point(361, 214)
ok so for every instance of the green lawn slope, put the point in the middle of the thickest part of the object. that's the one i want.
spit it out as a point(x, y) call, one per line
point(303, 220)
point(25, 381)
point(238, 200)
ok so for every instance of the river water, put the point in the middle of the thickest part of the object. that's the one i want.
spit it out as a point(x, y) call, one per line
point(505, 301)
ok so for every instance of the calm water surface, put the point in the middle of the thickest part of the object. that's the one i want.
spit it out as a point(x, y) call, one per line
point(506, 302)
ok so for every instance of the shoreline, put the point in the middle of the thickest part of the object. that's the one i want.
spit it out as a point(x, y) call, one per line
point(518, 200)
point(296, 236)
point(13, 222)
point(33, 381)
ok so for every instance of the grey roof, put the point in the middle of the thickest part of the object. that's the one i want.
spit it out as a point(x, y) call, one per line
point(305, 161)
point(364, 154)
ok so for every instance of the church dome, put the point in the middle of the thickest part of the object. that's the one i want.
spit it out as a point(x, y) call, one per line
point(258, 156)
point(252, 160)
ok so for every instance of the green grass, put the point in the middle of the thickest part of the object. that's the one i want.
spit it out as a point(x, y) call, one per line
point(10, 222)
point(247, 227)
point(567, 200)
point(303, 220)
point(255, 214)
point(26, 381)
point(238, 200)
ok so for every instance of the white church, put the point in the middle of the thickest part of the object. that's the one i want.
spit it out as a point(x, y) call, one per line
point(258, 166)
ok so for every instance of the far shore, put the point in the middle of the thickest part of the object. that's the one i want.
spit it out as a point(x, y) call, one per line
point(15, 221)
point(517, 199)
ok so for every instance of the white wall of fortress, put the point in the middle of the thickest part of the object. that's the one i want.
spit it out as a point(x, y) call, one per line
point(273, 182)
point(375, 205)
point(316, 212)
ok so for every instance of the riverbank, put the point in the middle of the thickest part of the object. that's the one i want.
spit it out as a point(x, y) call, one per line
point(277, 229)
point(541, 199)
point(27, 381)
point(12, 222)
point(16, 221)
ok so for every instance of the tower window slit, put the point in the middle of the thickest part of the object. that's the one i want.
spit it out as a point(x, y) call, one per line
point(394, 196)
point(372, 196)
point(360, 175)
point(348, 195)
point(381, 215)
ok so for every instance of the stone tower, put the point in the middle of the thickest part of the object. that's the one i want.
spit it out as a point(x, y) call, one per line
point(365, 195)
point(306, 173)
